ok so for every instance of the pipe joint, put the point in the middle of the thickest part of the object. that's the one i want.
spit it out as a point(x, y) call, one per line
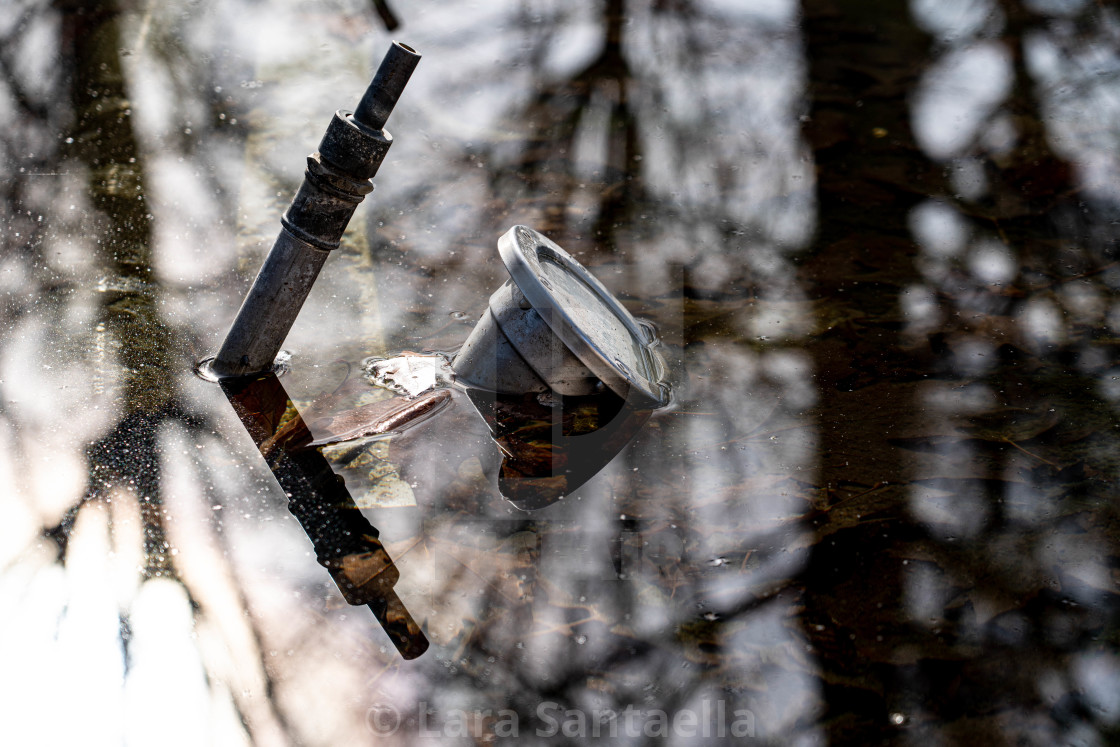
point(326, 201)
point(336, 181)
point(352, 147)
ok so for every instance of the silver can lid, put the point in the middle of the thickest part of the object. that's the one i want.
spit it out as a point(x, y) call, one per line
point(588, 319)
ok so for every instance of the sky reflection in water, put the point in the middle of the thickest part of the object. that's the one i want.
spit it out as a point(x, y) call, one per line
point(878, 243)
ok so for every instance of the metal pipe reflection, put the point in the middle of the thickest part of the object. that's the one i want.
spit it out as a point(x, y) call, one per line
point(345, 543)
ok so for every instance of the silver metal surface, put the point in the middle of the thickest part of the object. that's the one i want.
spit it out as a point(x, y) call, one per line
point(488, 361)
point(586, 317)
point(545, 353)
point(553, 326)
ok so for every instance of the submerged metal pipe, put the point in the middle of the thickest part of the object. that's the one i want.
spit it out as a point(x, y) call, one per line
point(336, 181)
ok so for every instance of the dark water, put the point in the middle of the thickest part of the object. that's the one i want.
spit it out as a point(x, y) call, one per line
point(879, 241)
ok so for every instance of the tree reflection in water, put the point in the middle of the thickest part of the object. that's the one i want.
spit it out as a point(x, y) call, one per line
point(878, 238)
point(1016, 472)
point(141, 626)
point(624, 153)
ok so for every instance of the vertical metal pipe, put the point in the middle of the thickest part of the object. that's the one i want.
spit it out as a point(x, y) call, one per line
point(336, 181)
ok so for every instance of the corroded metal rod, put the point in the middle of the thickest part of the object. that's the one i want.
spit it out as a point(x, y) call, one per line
point(388, 84)
point(336, 181)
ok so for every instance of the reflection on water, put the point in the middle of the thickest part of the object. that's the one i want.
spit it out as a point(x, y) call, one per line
point(552, 447)
point(878, 240)
point(345, 543)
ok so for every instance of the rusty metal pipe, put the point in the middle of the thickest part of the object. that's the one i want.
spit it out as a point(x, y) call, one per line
point(337, 179)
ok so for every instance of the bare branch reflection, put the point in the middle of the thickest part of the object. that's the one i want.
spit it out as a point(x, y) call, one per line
point(878, 239)
point(1011, 303)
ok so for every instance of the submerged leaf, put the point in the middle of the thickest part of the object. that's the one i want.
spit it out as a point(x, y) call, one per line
point(377, 418)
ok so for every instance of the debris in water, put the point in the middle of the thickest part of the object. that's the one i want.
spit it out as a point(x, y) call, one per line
point(409, 373)
point(386, 416)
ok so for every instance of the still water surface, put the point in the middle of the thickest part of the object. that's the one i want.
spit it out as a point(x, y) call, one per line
point(878, 240)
